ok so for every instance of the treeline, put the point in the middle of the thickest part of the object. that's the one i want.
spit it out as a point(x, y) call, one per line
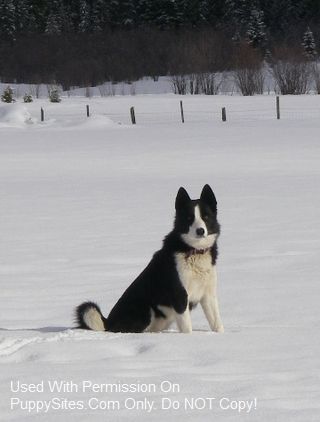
point(86, 42)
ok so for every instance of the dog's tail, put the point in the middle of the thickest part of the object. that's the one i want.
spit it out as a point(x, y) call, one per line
point(89, 316)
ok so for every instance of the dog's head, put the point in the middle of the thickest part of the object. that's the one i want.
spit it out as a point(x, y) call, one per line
point(196, 220)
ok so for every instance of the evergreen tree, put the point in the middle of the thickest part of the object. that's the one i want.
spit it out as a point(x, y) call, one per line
point(27, 98)
point(212, 12)
point(124, 12)
point(7, 96)
point(309, 44)
point(100, 18)
point(40, 13)
point(256, 30)
point(246, 21)
point(7, 20)
point(162, 13)
point(24, 17)
point(84, 17)
point(55, 18)
point(54, 96)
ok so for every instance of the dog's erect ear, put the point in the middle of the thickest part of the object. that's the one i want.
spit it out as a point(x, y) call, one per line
point(208, 197)
point(182, 198)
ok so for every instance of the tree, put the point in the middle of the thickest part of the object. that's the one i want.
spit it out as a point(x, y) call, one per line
point(7, 20)
point(246, 21)
point(256, 29)
point(24, 17)
point(162, 13)
point(55, 18)
point(84, 17)
point(7, 96)
point(27, 98)
point(309, 45)
point(54, 96)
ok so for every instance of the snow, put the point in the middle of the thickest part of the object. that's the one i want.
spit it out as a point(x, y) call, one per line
point(85, 203)
point(14, 115)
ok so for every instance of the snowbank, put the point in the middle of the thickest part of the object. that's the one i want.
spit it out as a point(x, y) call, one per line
point(14, 115)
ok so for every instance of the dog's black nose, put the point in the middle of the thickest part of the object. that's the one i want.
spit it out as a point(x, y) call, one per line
point(200, 231)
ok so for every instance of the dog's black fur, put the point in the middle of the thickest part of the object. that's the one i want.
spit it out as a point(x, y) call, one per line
point(159, 282)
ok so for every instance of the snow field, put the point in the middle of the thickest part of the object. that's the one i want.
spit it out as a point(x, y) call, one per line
point(85, 203)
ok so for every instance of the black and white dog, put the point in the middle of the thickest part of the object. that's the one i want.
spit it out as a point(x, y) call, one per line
point(178, 277)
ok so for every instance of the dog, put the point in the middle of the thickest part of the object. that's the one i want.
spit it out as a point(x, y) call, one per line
point(179, 276)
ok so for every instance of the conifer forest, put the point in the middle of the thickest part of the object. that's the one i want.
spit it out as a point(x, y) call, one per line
point(87, 42)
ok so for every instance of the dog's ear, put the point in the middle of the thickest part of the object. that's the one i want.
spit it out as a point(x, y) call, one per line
point(208, 197)
point(182, 198)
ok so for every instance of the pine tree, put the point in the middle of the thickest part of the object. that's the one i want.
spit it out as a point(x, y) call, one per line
point(256, 29)
point(84, 18)
point(125, 12)
point(7, 96)
point(100, 15)
point(24, 17)
point(162, 13)
point(246, 21)
point(56, 18)
point(309, 45)
point(212, 12)
point(54, 96)
point(7, 20)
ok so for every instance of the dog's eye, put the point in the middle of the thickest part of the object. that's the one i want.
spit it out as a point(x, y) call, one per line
point(205, 216)
point(190, 218)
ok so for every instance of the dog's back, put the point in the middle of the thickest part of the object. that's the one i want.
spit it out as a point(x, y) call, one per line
point(179, 276)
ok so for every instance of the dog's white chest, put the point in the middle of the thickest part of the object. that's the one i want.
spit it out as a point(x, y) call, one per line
point(196, 273)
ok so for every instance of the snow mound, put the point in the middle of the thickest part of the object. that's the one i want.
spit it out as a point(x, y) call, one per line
point(97, 121)
point(14, 115)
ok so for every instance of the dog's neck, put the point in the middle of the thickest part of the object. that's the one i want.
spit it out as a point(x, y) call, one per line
point(194, 251)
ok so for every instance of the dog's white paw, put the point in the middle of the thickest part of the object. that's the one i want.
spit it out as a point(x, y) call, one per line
point(219, 328)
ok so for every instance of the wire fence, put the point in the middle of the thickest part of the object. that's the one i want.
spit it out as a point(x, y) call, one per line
point(191, 111)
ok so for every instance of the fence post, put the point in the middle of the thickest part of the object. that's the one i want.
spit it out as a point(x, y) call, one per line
point(278, 107)
point(224, 114)
point(181, 111)
point(88, 110)
point(133, 116)
point(42, 114)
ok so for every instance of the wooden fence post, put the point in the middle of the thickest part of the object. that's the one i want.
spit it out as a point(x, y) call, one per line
point(42, 114)
point(181, 111)
point(278, 107)
point(88, 110)
point(133, 116)
point(224, 114)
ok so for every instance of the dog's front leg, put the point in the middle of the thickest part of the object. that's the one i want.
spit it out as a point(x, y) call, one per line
point(210, 305)
point(184, 321)
point(210, 308)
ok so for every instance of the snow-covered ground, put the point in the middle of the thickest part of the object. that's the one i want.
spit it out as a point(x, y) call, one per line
point(85, 203)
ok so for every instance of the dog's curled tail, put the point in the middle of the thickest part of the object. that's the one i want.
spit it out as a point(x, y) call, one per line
point(89, 316)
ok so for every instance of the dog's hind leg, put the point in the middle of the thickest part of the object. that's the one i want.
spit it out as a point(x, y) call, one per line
point(160, 323)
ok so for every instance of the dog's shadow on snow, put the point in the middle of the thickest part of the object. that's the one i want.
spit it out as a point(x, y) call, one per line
point(39, 330)
point(62, 329)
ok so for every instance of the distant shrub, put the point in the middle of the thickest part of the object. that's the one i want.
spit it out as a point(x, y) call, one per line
point(292, 78)
point(248, 74)
point(54, 96)
point(291, 71)
point(27, 98)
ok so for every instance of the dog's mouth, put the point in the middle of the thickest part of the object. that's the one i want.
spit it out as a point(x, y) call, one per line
point(199, 241)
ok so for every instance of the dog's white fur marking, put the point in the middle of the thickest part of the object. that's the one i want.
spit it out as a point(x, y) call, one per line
point(199, 278)
point(93, 320)
point(159, 324)
point(195, 241)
